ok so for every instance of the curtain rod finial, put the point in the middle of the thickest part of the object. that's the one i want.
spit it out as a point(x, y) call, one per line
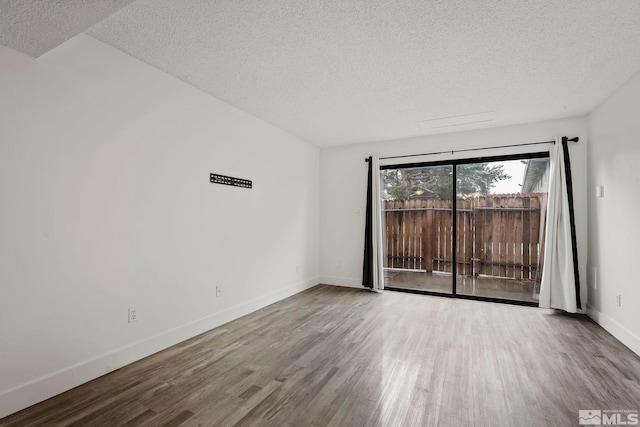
point(574, 139)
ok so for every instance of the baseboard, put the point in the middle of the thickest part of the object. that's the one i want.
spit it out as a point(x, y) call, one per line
point(624, 335)
point(35, 391)
point(341, 281)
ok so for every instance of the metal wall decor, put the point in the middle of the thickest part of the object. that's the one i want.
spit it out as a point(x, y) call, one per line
point(229, 180)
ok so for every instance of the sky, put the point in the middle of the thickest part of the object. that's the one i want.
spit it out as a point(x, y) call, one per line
point(514, 168)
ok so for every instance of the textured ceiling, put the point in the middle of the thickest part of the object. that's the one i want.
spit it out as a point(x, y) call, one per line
point(37, 26)
point(337, 72)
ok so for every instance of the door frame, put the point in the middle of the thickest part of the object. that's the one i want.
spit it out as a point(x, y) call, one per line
point(454, 261)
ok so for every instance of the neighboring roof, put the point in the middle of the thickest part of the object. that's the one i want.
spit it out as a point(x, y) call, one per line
point(533, 172)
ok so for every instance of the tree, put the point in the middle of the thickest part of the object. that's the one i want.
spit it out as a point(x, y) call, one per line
point(435, 182)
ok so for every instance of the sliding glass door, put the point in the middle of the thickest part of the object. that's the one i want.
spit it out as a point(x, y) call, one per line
point(493, 249)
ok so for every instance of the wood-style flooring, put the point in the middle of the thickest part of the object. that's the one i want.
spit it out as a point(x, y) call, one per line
point(335, 356)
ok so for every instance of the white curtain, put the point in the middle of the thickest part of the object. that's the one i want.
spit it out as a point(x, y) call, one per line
point(373, 272)
point(558, 287)
point(378, 263)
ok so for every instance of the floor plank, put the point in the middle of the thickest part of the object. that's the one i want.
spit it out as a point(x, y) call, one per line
point(335, 356)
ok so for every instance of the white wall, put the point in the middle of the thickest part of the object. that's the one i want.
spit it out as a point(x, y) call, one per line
point(105, 204)
point(343, 186)
point(614, 227)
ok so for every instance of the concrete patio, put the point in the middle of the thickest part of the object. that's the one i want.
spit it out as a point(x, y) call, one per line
point(483, 286)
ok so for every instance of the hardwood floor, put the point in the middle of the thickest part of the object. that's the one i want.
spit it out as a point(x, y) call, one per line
point(335, 356)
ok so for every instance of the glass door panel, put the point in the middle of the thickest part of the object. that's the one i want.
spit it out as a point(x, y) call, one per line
point(500, 218)
point(417, 214)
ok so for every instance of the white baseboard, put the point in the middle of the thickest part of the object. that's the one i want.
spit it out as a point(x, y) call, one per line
point(341, 281)
point(32, 392)
point(624, 335)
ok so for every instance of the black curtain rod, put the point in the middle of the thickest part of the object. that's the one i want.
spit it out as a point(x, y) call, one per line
point(574, 139)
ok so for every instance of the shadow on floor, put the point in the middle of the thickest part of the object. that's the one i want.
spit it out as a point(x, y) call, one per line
point(483, 286)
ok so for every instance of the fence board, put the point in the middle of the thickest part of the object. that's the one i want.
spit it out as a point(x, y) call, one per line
point(526, 239)
point(429, 236)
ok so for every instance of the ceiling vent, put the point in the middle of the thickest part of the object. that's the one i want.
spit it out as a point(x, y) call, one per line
point(463, 119)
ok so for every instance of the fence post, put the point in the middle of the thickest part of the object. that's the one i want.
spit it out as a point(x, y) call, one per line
point(428, 236)
point(526, 238)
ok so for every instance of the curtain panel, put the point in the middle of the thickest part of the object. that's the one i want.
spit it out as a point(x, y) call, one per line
point(372, 271)
point(560, 285)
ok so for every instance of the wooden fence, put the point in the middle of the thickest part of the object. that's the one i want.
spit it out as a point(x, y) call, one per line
point(498, 235)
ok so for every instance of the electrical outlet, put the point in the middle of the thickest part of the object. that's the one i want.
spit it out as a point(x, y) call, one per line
point(218, 291)
point(595, 278)
point(297, 269)
point(133, 315)
point(619, 300)
point(339, 263)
